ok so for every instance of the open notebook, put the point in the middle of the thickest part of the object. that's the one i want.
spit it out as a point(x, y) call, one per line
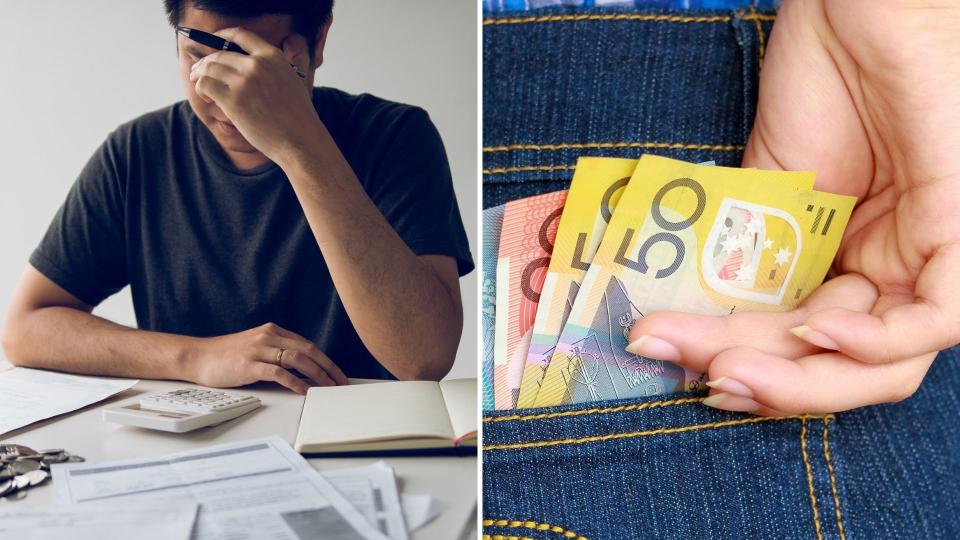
point(389, 416)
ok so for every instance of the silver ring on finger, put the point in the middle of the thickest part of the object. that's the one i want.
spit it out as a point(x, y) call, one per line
point(280, 352)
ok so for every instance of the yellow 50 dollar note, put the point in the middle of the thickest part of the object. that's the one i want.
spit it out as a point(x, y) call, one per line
point(595, 189)
point(708, 240)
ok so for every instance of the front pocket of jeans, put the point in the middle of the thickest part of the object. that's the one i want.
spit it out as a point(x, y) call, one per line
point(662, 467)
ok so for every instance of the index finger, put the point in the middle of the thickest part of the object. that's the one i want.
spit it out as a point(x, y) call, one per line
point(247, 40)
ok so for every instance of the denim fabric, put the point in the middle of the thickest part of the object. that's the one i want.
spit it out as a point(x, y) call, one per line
point(616, 83)
point(681, 84)
point(669, 467)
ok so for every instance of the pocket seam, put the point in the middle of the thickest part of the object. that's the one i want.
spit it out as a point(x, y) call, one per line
point(597, 410)
point(618, 144)
point(809, 471)
point(591, 145)
point(761, 49)
point(651, 432)
point(533, 525)
point(526, 168)
point(833, 478)
point(649, 17)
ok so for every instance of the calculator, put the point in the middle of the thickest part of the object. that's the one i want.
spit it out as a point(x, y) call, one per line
point(182, 410)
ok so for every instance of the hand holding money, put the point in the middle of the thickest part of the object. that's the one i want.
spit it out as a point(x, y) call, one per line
point(576, 270)
point(869, 335)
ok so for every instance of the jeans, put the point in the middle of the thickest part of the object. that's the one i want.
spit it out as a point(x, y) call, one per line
point(562, 83)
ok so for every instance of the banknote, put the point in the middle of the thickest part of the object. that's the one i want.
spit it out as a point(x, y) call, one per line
point(492, 222)
point(708, 240)
point(598, 183)
point(526, 243)
point(595, 189)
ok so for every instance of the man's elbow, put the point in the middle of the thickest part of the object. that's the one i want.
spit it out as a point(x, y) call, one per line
point(10, 340)
point(430, 371)
point(429, 365)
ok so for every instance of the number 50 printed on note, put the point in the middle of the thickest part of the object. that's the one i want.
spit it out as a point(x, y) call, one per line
point(707, 240)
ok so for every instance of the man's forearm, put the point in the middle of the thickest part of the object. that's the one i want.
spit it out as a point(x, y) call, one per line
point(68, 339)
point(404, 313)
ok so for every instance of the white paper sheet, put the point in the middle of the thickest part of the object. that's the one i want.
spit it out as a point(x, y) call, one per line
point(168, 521)
point(418, 510)
point(373, 490)
point(31, 395)
point(253, 489)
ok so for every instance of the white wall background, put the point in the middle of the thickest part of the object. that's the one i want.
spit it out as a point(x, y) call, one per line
point(70, 72)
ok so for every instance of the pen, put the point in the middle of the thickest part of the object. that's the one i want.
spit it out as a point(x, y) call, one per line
point(217, 42)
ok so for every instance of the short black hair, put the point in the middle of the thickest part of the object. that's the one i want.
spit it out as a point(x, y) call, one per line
point(306, 16)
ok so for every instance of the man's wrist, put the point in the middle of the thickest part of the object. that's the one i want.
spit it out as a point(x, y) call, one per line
point(186, 352)
point(315, 151)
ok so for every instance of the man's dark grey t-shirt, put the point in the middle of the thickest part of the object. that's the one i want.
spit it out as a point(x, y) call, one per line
point(210, 250)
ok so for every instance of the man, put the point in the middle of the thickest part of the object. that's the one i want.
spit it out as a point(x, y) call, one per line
point(263, 225)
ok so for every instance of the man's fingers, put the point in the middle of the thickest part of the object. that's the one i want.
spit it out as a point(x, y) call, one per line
point(693, 341)
point(210, 89)
point(293, 341)
point(210, 67)
point(821, 383)
point(247, 40)
point(927, 321)
point(293, 358)
point(296, 52)
point(270, 372)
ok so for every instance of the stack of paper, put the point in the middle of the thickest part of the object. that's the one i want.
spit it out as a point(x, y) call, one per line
point(254, 489)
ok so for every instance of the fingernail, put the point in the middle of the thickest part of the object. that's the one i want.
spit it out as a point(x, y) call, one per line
point(730, 402)
point(813, 337)
point(731, 386)
point(653, 347)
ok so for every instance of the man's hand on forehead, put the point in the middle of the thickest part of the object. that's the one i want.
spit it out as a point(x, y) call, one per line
point(261, 95)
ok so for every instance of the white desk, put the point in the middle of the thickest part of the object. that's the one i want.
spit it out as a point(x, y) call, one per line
point(452, 480)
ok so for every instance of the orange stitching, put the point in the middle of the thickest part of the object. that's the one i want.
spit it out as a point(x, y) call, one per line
point(606, 17)
point(760, 38)
point(623, 17)
point(581, 146)
point(504, 170)
point(533, 525)
point(833, 479)
point(644, 433)
point(759, 16)
point(603, 410)
point(806, 464)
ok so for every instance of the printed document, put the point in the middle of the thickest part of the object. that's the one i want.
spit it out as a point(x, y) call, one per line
point(30, 395)
point(254, 489)
point(373, 491)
